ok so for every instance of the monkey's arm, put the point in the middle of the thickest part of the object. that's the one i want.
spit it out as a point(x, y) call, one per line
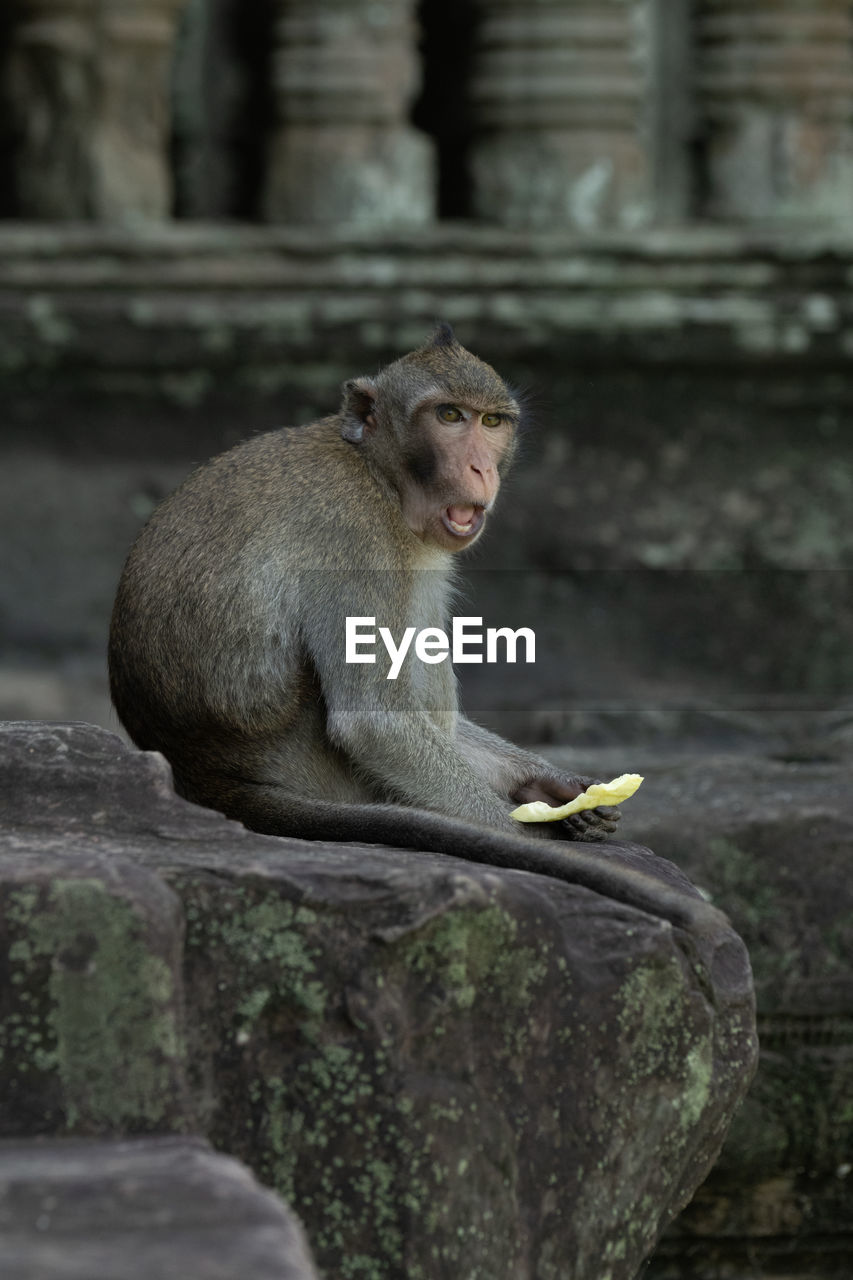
point(523, 776)
point(411, 761)
point(397, 733)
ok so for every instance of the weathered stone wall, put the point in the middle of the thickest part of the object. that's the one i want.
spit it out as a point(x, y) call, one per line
point(691, 384)
point(679, 519)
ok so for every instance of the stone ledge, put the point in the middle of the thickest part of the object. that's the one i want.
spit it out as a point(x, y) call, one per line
point(94, 297)
point(164, 1208)
point(184, 238)
point(771, 840)
point(442, 1067)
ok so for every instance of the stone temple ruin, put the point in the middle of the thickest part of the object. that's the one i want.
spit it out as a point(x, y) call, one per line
point(211, 213)
point(539, 115)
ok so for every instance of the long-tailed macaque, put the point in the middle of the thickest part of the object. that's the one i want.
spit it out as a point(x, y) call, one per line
point(227, 647)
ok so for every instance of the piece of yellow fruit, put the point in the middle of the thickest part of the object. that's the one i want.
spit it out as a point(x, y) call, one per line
point(599, 793)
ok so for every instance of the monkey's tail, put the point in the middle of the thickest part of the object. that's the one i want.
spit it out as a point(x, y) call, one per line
point(605, 868)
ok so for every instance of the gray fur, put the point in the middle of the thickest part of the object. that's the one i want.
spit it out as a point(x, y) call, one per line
point(227, 646)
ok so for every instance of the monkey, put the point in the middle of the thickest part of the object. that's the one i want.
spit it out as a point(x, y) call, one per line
point(226, 648)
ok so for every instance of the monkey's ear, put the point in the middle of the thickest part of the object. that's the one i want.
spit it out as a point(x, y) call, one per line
point(357, 408)
point(443, 336)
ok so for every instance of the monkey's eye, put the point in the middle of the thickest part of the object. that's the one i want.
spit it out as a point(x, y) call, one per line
point(492, 419)
point(449, 413)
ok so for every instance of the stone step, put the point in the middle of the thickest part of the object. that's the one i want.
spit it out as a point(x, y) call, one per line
point(155, 1208)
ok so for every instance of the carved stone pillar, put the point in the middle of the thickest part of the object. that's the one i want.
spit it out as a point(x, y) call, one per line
point(130, 150)
point(557, 96)
point(345, 73)
point(219, 108)
point(50, 96)
point(775, 97)
point(88, 90)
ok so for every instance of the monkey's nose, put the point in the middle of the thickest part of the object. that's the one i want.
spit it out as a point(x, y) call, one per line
point(487, 478)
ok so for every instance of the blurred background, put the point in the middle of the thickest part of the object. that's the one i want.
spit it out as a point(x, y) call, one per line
point(212, 212)
point(640, 212)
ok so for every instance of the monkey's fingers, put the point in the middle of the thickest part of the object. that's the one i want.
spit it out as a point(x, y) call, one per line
point(605, 816)
point(576, 829)
point(592, 824)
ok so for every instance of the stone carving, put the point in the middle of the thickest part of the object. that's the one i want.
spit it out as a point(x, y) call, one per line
point(581, 115)
point(775, 97)
point(87, 83)
point(344, 75)
point(130, 142)
point(557, 100)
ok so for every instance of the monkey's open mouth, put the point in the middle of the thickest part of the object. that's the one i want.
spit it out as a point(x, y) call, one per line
point(462, 522)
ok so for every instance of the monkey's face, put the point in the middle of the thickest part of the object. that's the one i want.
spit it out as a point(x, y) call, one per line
point(453, 454)
point(440, 426)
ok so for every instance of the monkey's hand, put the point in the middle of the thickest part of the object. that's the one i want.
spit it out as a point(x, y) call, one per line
point(588, 824)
